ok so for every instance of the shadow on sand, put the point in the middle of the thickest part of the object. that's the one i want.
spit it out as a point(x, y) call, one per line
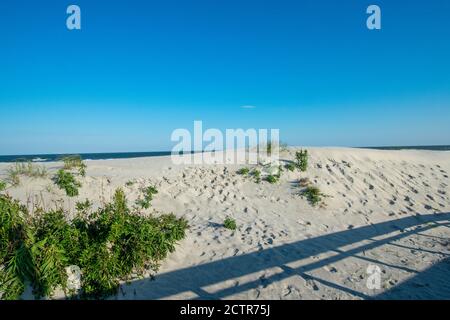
point(194, 279)
point(431, 284)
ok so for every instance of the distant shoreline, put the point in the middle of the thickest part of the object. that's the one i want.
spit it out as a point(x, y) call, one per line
point(128, 155)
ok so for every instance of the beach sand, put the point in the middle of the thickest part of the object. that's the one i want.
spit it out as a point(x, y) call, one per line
point(383, 209)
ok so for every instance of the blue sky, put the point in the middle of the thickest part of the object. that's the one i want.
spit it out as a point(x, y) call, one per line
point(140, 69)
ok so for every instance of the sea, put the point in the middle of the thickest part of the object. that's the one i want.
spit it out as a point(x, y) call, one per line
point(127, 155)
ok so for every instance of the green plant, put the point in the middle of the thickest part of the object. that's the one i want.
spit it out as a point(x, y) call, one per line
point(74, 162)
point(2, 185)
point(24, 168)
point(66, 180)
point(272, 178)
point(129, 183)
point(83, 207)
point(108, 245)
point(290, 166)
point(257, 175)
point(230, 223)
point(301, 158)
point(15, 259)
point(280, 171)
point(243, 171)
point(313, 195)
point(147, 198)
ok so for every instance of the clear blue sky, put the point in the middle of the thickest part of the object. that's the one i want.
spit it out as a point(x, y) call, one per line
point(139, 69)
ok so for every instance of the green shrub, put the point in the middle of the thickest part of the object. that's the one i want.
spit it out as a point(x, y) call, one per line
point(257, 175)
point(15, 258)
point(74, 162)
point(66, 180)
point(313, 195)
point(108, 245)
point(24, 168)
point(2, 185)
point(230, 223)
point(290, 166)
point(301, 158)
point(243, 171)
point(147, 198)
point(272, 178)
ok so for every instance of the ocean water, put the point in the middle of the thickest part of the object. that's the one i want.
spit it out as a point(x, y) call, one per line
point(432, 148)
point(84, 156)
point(126, 155)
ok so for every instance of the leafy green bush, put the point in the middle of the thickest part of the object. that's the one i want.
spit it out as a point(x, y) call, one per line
point(74, 162)
point(24, 168)
point(272, 178)
point(243, 171)
point(66, 180)
point(313, 195)
point(301, 158)
point(230, 223)
point(290, 166)
point(15, 259)
point(2, 185)
point(147, 193)
point(108, 245)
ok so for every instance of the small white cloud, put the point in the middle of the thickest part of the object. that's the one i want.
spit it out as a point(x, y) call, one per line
point(248, 107)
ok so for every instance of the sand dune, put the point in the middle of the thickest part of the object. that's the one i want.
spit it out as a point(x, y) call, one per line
point(385, 208)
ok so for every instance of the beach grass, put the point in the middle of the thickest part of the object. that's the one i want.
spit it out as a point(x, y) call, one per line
point(290, 167)
point(313, 195)
point(24, 168)
point(272, 178)
point(230, 223)
point(243, 171)
point(256, 173)
point(74, 162)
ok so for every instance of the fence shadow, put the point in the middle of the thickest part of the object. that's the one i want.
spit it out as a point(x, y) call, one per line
point(194, 279)
point(432, 283)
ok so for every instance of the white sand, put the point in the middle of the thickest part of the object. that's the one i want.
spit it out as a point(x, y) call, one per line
point(386, 208)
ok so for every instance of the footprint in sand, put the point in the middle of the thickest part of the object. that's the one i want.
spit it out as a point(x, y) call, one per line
point(312, 284)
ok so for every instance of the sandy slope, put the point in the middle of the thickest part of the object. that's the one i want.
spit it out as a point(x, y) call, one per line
point(384, 208)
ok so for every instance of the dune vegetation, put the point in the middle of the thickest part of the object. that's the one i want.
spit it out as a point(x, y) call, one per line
point(110, 244)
